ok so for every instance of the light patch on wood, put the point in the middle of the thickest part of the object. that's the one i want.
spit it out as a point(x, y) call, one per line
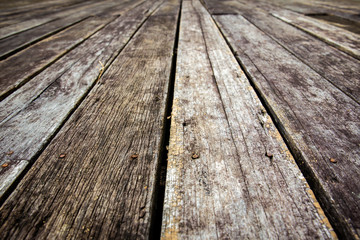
point(324, 219)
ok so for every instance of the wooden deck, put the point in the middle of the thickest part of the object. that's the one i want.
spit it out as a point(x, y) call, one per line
point(180, 119)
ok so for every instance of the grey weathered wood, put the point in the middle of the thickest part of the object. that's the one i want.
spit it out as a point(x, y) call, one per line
point(98, 191)
point(312, 7)
point(36, 111)
point(16, 42)
point(344, 40)
point(220, 184)
point(35, 11)
point(319, 121)
point(41, 18)
point(19, 68)
point(339, 68)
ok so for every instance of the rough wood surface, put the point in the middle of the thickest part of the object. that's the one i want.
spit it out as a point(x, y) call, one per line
point(21, 67)
point(33, 13)
point(339, 68)
point(41, 17)
point(16, 42)
point(102, 187)
point(32, 114)
point(319, 122)
point(344, 40)
point(230, 175)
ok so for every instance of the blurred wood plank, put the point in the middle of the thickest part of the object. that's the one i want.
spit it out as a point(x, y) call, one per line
point(334, 65)
point(230, 175)
point(54, 24)
point(21, 67)
point(344, 40)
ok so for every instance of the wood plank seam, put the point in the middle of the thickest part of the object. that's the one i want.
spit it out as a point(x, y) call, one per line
point(190, 193)
point(341, 228)
point(25, 80)
point(300, 59)
point(159, 192)
point(25, 45)
point(128, 225)
point(32, 160)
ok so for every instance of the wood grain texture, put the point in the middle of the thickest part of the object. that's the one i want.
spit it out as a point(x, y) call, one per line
point(16, 42)
point(98, 191)
point(319, 121)
point(31, 115)
point(46, 15)
point(230, 175)
point(21, 67)
point(313, 7)
point(339, 68)
point(344, 40)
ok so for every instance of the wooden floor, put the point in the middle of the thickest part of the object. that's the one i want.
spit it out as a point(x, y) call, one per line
point(179, 119)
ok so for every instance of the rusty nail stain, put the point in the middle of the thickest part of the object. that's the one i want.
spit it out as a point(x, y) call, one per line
point(195, 156)
point(62, 156)
point(5, 165)
point(333, 160)
point(10, 153)
point(134, 156)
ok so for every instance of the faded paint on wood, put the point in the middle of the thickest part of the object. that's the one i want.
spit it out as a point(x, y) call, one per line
point(98, 189)
point(230, 175)
point(35, 112)
point(319, 121)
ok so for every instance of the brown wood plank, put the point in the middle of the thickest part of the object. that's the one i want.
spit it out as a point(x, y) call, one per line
point(36, 111)
point(103, 193)
point(230, 175)
point(344, 40)
point(318, 121)
point(339, 68)
point(16, 42)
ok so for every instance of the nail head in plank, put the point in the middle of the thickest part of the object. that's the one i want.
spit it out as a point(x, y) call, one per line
point(41, 106)
point(318, 121)
point(243, 182)
point(336, 66)
point(98, 190)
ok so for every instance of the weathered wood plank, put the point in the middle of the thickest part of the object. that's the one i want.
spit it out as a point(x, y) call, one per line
point(319, 121)
point(35, 112)
point(344, 40)
point(42, 17)
point(19, 68)
point(99, 190)
point(14, 43)
point(21, 14)
point(311, 8)
point(334, 65)
point(230, 175)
